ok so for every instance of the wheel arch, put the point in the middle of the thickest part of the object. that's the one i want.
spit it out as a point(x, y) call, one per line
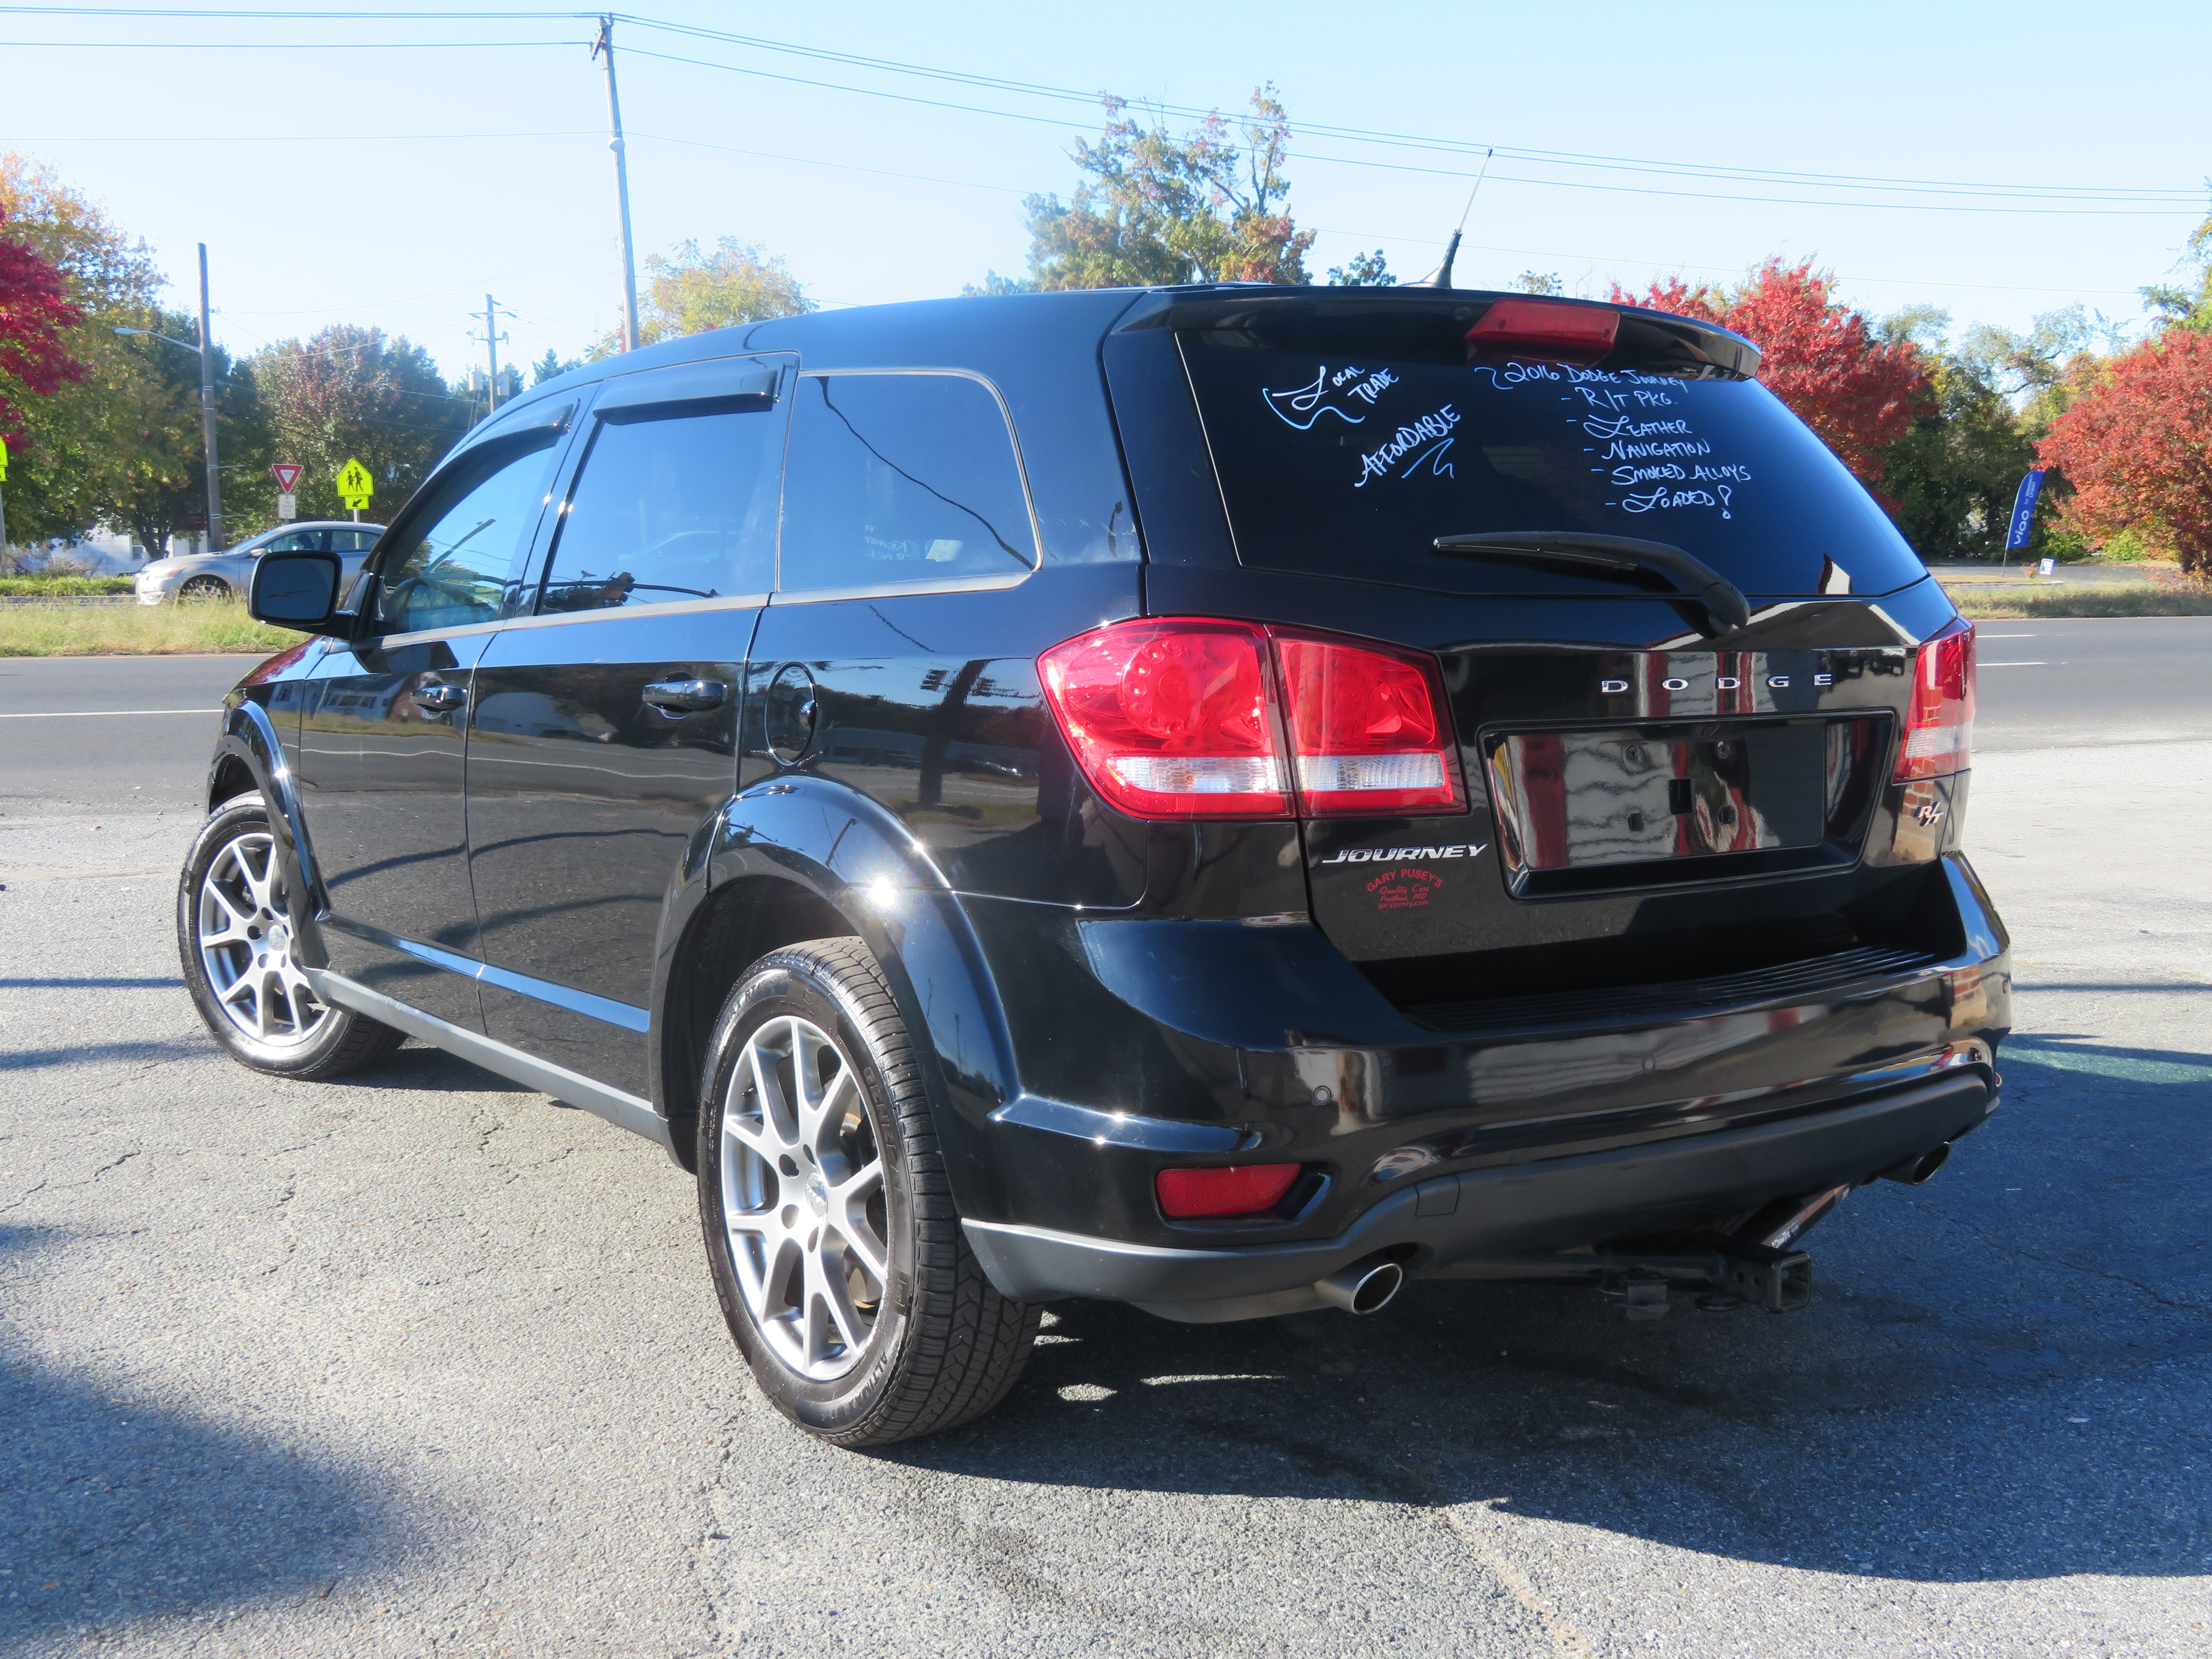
point(249, 757)
point(802, 859)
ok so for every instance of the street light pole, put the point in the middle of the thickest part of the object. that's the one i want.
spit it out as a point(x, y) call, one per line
point(215, 543)
point(606, 45)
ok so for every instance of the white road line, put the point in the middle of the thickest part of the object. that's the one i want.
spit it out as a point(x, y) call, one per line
point(88, 714)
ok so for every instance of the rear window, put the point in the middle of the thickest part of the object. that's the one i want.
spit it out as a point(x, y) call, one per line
point(1341, 461)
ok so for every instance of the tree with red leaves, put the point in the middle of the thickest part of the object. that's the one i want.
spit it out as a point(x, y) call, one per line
point(1823, 359)
point(34, 311)
point(2137, 448)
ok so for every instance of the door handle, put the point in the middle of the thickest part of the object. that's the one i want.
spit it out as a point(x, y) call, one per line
point(439, 698)
point(685, 696)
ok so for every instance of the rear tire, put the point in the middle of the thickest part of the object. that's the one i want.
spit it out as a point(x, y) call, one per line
point(837, 1251)
point(234, 938)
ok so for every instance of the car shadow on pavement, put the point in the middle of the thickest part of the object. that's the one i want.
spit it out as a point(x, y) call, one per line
point(2001, 1375)
point(119, 1508)
point(424, 1069)
point(103, 1053)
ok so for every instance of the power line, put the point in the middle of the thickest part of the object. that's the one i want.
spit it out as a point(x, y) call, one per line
point(1721, 172)
point(281, 45)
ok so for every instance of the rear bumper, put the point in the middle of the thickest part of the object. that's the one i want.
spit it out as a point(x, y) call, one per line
point(1564, 1201)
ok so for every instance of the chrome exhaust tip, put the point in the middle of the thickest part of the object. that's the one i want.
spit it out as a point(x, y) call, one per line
point(1365, 1287)
point(1915, 1171)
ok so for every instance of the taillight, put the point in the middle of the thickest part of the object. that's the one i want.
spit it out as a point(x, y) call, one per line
point(1235, 1189)
point(1192, 717)
point(1172, 719)
point(1548, 329)
point(1368, 733)
point(1939, 721)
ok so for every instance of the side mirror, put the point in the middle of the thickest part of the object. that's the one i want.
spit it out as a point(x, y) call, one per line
point(296, 590)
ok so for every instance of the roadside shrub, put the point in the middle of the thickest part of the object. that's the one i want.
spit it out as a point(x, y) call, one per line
point(53, 587)
point(2068, 547)
point(137, 630)
point(2125, 548)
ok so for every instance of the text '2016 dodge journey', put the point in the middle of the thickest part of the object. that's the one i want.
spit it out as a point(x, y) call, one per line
point(1228, 798)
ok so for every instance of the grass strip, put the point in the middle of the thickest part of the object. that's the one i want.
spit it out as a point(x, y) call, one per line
point(2133, 600)
point(137, 630)
point(62, 587)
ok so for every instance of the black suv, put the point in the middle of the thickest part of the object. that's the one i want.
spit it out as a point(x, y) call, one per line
point(1225, 798)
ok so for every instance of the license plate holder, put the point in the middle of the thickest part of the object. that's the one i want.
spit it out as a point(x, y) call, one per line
point(1650, 794)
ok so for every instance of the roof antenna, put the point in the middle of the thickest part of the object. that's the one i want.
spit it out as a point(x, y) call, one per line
point(1441, 277)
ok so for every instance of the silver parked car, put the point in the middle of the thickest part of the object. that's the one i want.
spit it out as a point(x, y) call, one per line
point(227, 576)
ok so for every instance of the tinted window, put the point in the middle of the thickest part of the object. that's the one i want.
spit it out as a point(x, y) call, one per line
point(458, 557)
point(668, 510)
point(900, 478)
point(352, 541)
point(298, 541)
point(1352, 463)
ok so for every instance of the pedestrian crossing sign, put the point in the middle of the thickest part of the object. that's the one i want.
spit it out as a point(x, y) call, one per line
point(355, 485)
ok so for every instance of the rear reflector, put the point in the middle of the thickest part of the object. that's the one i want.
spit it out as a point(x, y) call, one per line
point(1549, 329)
point(1192, 717)
point(1939, 721)
point(1238, 1189)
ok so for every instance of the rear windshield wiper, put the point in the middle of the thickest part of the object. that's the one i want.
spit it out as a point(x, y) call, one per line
point(1613, 556)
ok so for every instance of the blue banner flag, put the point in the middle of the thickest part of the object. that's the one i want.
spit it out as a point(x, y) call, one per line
point(2023, 509)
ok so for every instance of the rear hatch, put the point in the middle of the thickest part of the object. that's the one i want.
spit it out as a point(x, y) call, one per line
point(1559, 501)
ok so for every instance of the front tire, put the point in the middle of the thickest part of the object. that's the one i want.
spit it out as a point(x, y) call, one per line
point(200, 590)
point(234, 937)
point(837, 1251)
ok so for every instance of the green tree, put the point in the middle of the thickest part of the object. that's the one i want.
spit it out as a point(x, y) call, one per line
point(1951, 475)
point(58, 474)
point(994, 284)
point(691, 290)
point(154, 479)
point(2182, 306)
point(1362, 270)
point(1153, 208)
point(350, 393)
point(551, 364)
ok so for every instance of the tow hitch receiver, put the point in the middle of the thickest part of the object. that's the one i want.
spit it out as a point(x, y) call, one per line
point(1732, 1273)
point(1780, 1281)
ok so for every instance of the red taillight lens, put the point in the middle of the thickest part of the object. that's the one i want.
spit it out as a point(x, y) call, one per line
point(1172, 719)
point(1184, 718)
point(1548, 329)
point(1239, 1189)
point(1367, 729)
point(1939, 722)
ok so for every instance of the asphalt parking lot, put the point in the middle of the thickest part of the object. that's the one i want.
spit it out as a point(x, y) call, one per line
point(421, 1363)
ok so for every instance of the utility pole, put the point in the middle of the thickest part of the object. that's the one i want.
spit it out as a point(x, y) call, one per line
point(606, 45)
point(492, 338)
point(215, 542)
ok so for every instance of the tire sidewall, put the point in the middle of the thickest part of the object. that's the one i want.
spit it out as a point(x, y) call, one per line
point(789, 982)
point(245, 815)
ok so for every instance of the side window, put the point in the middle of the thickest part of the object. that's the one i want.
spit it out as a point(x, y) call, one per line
point(900, 478)
point(670, 508)
point(457, 558)
point(352, 541)
point(300, 541)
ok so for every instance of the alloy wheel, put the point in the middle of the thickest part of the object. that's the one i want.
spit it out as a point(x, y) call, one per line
point(804, 1198)
point(203, 588)
point(246, 945)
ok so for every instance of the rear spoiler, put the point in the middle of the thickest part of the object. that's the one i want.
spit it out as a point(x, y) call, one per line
point(1652, 342)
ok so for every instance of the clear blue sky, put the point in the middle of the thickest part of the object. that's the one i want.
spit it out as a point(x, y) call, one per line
point(394, 186)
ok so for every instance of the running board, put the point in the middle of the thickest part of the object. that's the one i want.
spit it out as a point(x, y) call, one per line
point(626, 1110)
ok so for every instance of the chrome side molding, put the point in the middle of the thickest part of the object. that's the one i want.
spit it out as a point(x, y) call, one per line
point(626, 1110)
